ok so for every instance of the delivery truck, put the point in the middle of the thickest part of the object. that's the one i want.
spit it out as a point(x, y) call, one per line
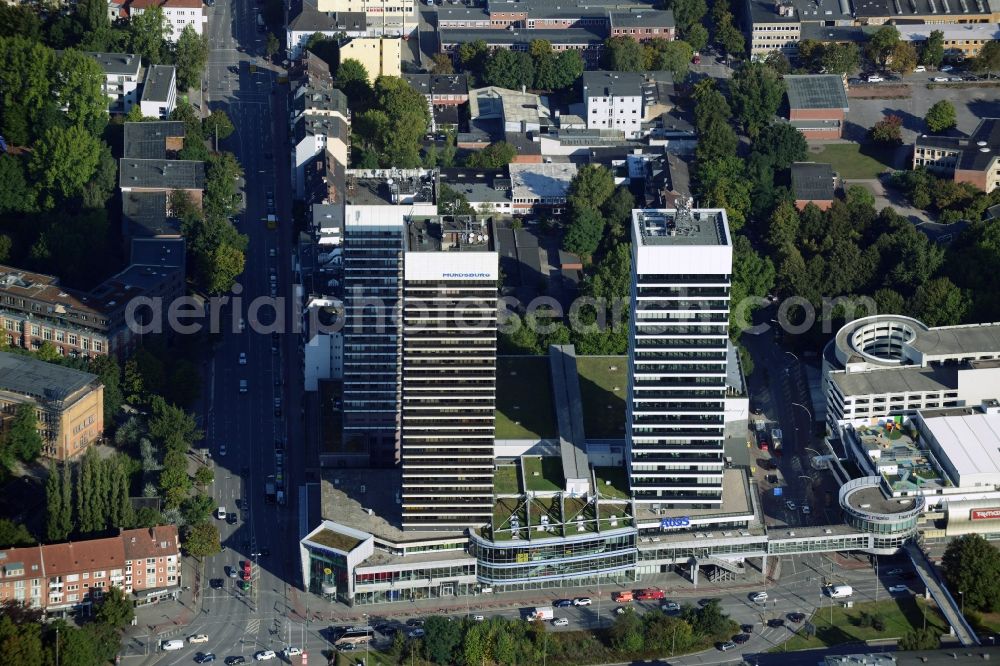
point(542, 613)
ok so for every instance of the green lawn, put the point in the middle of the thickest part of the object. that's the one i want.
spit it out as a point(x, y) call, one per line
point(505, 480)
point(603, 387)
point(543, 474)
point(524, 398)
point(618, 488)
point(900, 616)
point(849, 162)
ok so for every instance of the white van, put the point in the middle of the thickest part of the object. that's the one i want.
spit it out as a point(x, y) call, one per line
point(839, 591)
point(174, 644)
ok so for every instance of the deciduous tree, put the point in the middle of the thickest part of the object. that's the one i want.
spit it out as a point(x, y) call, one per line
point(623, 54)
point(756, 93)
point(932, 54)
point(63, 162)
point(972, 566)
point(887, 130)
point(191, 56)
point(493, 156)
point(510, 69)
point(941, 116)
point(202, 540)
point(147, 32)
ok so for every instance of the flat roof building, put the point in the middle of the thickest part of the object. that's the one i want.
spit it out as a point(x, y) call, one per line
point(682, 264)
point(159, 91)
point(817, 104)
point(888, 365)
point(813, 183)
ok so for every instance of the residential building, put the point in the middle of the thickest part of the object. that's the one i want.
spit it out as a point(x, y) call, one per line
point(380, 56)
point(813, 183)
point(122, 73)
point(682, 264)
point(817, 104)
point(178, 14)
point(323, 353)
point(450, 274)
point(144, 563)
point(486, 190)
point(540, 187)
point(304, 21)
point(156, 175)
point(383, 18)
point(888, 365)
point(69, 403)
point(159, 92)
point(971, 159)
point(313, 135)
point(325, 181)
point(444, 93)
point(623, 101)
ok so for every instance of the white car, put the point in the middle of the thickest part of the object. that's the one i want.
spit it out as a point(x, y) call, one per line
point(220, 513)
point(945, 68)
point(264, 655)
point(875, 78)
point(560, 622)
point(222, 449)
point(919, 68)
point(670, 606)
point(478, 618)
point(940, 79)
point(806, 510)
point(291, 651)
point(198, 638)
point(758, 597)
point(898, 588)
point(582, 601)
point(790, 505)
point(243, 358)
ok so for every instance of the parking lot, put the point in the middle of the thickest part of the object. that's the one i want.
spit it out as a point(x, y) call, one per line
point(971, 104)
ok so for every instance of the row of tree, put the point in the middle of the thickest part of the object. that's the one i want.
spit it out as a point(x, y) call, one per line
point(27, 641)
point(89, 497)
point(540, 68)
point(504, 641)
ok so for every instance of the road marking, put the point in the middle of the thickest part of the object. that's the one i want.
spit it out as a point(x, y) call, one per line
point(253, 626)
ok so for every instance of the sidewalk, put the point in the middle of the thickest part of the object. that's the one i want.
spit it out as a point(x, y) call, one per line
point(316, 610)
point(169, 617)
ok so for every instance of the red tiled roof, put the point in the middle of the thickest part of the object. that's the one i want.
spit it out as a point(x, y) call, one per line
point(140, 544)
point(25, 557)
point(63, 558)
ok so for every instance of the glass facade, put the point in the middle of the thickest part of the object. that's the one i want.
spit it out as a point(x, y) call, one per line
point(327, 568)
point(508, 562)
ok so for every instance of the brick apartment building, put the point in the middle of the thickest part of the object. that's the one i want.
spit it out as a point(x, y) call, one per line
point(145, 563)
point(69, 403)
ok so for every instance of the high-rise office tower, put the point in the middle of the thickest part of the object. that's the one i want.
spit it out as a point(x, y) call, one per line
point(374, 237)
point(682, 264)
point(449, 373)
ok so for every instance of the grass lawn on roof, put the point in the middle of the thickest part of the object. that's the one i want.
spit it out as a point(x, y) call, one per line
point(549, 473)
point(505, 480)
point(603, 406)
point(618, 489)
point(524, 398)
point(852, 160)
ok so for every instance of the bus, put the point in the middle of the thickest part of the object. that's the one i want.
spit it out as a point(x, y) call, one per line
point(353, 636)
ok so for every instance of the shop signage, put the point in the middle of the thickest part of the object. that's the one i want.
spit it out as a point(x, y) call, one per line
point(985, 514)
point(668, 523)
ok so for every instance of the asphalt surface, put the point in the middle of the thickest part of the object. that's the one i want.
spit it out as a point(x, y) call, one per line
point(245, 425)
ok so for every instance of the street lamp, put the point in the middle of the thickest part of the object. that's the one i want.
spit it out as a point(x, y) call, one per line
point(808, 413)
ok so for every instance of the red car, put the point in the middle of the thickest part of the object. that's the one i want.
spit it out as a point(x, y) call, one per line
point(246, 570)
point(650, 594)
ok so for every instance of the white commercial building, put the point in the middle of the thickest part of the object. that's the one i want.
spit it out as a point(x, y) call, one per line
point(682, 264)
point(450, 274)
point(383, 18)
point(121, 79)
point(967, 444)
point(621, 101)
point(159, 92)
point(889, 365)
point(178, 15)
point(535, 186)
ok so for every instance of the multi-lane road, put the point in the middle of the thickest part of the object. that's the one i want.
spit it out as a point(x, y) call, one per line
point(242, 428)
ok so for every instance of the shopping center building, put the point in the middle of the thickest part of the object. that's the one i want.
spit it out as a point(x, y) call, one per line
point(563, 512)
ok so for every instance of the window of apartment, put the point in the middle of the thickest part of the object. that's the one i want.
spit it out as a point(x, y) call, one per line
point(86, 575)
point(100, 574)
point(72, 339)
point(60, 336)
point(35, 329)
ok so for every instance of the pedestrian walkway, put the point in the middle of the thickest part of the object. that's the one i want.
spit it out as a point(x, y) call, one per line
point(937, 590)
